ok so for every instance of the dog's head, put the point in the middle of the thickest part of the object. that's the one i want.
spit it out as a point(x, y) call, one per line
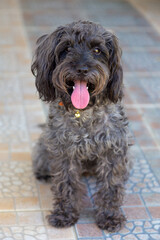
point(80, 63)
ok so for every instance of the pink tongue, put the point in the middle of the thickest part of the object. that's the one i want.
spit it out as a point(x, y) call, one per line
point(80, 96)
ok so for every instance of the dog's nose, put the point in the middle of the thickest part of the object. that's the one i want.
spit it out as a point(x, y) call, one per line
point(82, 70)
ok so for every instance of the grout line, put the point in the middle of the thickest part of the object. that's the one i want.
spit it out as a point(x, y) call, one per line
point(146, 206)
point(75, 232)
point(14, 203)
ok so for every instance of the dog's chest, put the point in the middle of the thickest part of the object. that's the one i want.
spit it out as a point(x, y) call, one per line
point(92, 132)
point(88, 133)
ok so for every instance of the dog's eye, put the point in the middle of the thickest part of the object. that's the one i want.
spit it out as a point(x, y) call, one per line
point(66, 49)
point(96, 51)
point(63, 53)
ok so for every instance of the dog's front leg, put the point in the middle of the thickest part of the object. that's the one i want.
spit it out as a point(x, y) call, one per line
point(68, 192)
point(111, 176)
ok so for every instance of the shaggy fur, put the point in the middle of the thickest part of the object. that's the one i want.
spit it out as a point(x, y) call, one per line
point(97, 142)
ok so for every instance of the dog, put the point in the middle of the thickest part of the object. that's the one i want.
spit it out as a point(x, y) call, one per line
point(78, 71)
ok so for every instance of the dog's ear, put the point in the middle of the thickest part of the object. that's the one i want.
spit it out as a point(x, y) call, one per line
point(115, 84)
point(44, 64)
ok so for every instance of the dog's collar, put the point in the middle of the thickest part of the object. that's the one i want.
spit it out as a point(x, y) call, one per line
point(61, 104)
point(77, 113)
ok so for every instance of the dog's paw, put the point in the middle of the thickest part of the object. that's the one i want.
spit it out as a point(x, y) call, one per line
point(111, 223)
point(62, 219)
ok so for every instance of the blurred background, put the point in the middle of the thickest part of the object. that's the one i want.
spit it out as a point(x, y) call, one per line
point(24, 202)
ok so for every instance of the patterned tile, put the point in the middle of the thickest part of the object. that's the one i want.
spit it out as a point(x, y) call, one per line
point(24, 232)
point(142, 178)
point(10, 90)
point(144, 230)
point(13, 125)
point(17, 179)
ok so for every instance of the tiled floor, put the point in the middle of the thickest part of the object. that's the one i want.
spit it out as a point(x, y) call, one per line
point(24, 202)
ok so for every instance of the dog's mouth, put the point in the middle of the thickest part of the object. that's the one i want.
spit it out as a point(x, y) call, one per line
point(79, 91)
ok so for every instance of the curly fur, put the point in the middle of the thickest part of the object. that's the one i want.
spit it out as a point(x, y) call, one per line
point(96, 142)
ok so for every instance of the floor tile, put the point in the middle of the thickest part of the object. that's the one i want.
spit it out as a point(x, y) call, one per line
point(4, 156)
point(143, 89)
point(17, 179)
point(132, 200)
point(16, 40)
point(4, 147)
point(27, 203)
point(6, 204)
point(151, 198)
point(8, 218)
point(30, 218)
point(88, 230)
point(141, 61)
point(30, 232)
point(24, 202)
point(154, 211)
point(135, 213)
point(137, 38)
point(8, 4)
point(153, 157)
point(8, 19)
point(21, 156)
point(65, 233)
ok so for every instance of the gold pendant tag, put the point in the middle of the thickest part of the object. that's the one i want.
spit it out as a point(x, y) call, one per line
point(77, 114)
